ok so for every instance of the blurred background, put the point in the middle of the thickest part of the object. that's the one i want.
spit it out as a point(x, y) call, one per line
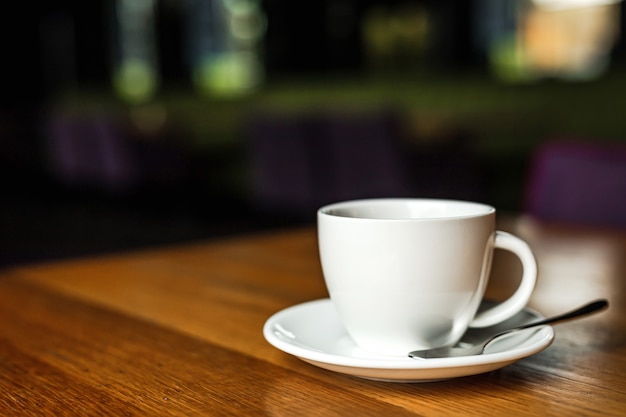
point(132, 123)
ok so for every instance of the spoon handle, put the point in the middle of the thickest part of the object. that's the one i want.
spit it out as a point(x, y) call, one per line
point(478, 348)
point(580, 311)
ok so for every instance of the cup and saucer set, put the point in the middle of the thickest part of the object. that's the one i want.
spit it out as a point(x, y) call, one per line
point(409, 274)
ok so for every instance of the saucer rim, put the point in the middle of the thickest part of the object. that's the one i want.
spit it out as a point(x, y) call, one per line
point(544, 337)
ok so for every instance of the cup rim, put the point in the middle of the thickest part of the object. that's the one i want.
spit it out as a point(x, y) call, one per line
point(330, 210)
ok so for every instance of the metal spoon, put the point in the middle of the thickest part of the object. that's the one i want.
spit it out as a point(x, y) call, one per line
point(477, 349)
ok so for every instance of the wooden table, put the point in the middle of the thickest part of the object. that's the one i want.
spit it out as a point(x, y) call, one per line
point(178, 331)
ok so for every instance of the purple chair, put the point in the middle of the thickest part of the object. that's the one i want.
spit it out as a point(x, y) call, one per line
point(281, 166)
point(581, 182)
point(90, 151)
point(366, 157)
point(300, 162)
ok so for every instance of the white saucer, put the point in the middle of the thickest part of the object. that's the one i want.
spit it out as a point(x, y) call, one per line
point(312, 332)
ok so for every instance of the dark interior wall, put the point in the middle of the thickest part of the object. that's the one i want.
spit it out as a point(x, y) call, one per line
point(310, 42)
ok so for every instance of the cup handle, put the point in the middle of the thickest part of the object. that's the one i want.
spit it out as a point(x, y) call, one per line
point(519, 299)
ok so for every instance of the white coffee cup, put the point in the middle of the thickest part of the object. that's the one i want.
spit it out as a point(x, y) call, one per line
point(407, 274)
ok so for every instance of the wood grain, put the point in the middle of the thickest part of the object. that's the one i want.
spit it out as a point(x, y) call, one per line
point(177, 331)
